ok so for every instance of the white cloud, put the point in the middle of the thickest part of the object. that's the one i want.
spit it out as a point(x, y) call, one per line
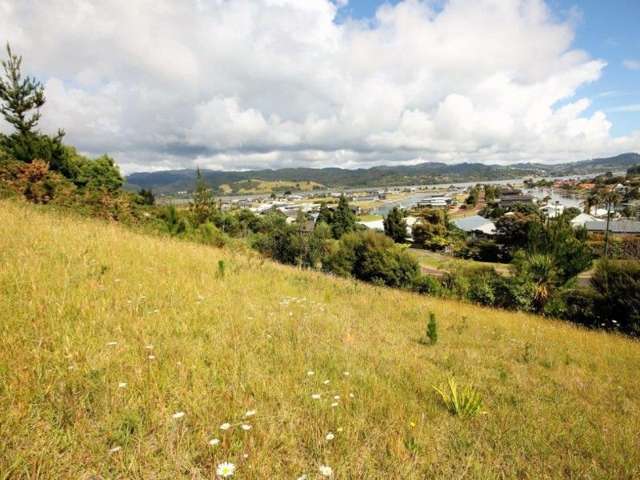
point(631, 64)
point(269, 83)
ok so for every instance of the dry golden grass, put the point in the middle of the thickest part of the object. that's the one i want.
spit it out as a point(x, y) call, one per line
point(560, 402)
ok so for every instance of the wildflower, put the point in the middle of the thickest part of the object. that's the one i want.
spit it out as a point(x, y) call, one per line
point(225, 469)
point(122, 385)
point(151, 357)
point(325, 471)
point(112, 344)
point(246, 427)
point(346, 374)
point(351, 395)
point(149, 347)
point(330, 436)
point(178, 415)
point(316, 396)
point(326, 382)
point(311, 373)
point(214, 442)
point(302, 477)
point(245, 456)
point(337, 397)
point(250, 413)
point(225, 426)
point(334, 404)
point(115, 449)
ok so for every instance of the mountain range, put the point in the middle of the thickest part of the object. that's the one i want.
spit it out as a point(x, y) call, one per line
point(171, 182)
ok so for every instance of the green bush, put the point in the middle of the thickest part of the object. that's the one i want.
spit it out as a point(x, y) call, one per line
point(617, 283)
point(372, 257)
point(427, 285)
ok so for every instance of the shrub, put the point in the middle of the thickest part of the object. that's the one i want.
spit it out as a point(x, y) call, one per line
point(372, 257)
point(432, 329)
point(427, 285)
point(209, 234)
point(618, 284)
point(465, 402)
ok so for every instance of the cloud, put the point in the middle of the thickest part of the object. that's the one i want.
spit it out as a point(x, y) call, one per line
point(270, 83)
point(631, 64)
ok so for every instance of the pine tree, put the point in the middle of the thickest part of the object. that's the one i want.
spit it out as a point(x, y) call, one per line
point(20, 101)
point(324, 215)
point(21, 98)
point(395, 226)
point(344, 220)
point(203, 205)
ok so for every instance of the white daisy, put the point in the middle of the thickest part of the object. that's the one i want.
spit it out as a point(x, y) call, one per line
point(151, 357)
point(337, 397)
point(325, 471)
point(316, 396)
point(250, 413)
point(122, 385)
point(225, 426)
point(225, 469)
point(326, 382)
point(334, 404)
point(178, 415)
point(330, 436)
point(246, 427)
point(351, 395)
point(311, 373)
point(346, 374)
point(214, 442)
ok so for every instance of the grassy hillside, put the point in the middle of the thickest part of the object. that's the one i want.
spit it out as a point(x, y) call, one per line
point(106, 334)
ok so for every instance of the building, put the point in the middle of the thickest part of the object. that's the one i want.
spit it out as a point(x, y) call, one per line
point(616, 227)
point(476, 224)
point(511, 199)
point(377, 225)
point(580, 220)
point(435, 202)
point(552, 211)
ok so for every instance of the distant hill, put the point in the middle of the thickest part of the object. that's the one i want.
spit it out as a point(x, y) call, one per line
point(173, 181)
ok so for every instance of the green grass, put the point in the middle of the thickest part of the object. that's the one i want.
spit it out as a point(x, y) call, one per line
point(560, 402)
point(448, 263)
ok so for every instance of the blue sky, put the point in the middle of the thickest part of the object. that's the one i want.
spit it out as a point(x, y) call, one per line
point(608, 30)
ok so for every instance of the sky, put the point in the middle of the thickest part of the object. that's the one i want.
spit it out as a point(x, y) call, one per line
point(246, 84)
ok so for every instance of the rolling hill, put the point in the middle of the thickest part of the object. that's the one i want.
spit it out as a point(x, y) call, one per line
point(125, 356)
point(172, 181)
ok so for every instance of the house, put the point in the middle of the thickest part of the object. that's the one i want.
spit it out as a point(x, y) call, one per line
point(616, 227)
point(511, 199)
point(476, 224)
point(434, 202)
point(580, 220)
point(374, 225)
point(552, 211)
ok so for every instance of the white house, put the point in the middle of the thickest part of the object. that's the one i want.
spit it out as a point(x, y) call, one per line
point(580, 220)
point(476, 224)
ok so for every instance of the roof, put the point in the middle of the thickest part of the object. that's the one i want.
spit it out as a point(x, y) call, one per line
point(580, 220)
point(475, 223)
point(618, 226)
point(374, 224)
